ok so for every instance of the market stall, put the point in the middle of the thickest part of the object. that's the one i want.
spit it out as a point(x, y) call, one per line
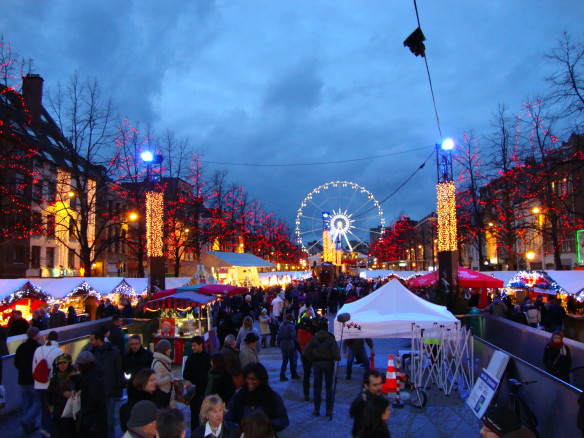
point(22, 295)
point(477, 283)
point(238, 269)
point(183, 314)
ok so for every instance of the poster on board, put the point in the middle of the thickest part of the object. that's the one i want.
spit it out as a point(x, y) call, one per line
point(482, 393)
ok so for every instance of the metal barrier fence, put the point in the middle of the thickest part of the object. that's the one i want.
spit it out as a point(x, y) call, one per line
point(554, 402)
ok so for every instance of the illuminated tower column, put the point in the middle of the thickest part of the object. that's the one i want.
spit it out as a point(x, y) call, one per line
point(446, 211)
point(154, 226)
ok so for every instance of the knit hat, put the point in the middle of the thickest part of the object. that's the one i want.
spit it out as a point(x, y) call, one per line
point(501, 420)
point(251, 337)
point(162, 346)
point(63, 358)
point(85, 357)
point(144, 412)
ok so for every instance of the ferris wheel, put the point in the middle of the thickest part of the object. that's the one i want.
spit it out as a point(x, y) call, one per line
point(350, 213)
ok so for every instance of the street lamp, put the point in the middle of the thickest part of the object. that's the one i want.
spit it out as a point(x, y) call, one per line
point(133, 216)
point(530, 256)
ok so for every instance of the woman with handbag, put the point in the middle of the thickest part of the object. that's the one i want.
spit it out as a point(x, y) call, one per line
point(60, 392)
point(162, 366)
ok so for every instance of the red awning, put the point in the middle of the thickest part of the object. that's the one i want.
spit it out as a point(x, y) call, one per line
point(466, 278)
point(222, 289)
point(163, 293)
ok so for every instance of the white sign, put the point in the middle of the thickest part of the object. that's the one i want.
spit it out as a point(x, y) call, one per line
point(482, 393)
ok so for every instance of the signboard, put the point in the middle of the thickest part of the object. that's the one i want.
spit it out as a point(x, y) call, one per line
point(482, 393)
point(580, 247)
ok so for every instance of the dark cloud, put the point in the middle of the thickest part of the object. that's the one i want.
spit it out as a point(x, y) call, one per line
point(301, 81)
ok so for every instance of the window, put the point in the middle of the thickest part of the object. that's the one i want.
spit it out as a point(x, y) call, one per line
point(35, 257)
point(72, 225)
point(37, 190)
point(71, 259)
point(51, 191)
point(51, 225)
point(50, 257)
point(36, 222)
point(17, 254)
point(19, 184)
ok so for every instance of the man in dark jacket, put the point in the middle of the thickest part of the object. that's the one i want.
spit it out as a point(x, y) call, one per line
point(57, 318)
point(93, 386)
point(372, 384)
point(116, 333)
point(18, 325)
point(196, 371)
point(137, 356)
point(31, 402)
point(323, 351)
point(109, 360)
point(231, 356)
point(554, 319)
point(288, 344)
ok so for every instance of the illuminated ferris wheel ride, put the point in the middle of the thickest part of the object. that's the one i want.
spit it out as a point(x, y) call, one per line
point(349, 212)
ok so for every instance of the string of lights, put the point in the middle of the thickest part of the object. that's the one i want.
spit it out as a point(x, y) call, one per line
point(446, 194)
point(154, 224)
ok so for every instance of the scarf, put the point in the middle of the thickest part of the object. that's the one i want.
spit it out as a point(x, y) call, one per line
point(559, 346)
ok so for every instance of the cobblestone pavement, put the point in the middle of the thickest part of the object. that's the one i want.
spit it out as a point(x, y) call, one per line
point(444, 416)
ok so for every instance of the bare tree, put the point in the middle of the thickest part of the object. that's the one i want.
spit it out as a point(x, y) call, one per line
point(567, 81)
point(12, 66)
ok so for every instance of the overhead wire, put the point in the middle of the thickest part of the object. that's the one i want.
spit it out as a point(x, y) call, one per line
point(314, 163)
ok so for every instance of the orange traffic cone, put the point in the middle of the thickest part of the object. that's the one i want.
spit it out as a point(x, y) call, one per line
point(390, 384)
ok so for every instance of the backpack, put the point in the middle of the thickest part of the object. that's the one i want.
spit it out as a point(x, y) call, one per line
point(41, 371)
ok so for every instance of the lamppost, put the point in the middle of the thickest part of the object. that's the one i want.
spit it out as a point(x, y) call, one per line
point(446, 211)
point(154, 225)
point(530, 256)
point(539, 228)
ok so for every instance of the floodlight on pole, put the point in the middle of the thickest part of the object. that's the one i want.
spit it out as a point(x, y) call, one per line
point(447, 144)
point(147, 156)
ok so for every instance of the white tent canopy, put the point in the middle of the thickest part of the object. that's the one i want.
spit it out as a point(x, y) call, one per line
point(389, 312)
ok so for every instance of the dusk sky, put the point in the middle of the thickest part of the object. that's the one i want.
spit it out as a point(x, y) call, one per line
point(298, 81)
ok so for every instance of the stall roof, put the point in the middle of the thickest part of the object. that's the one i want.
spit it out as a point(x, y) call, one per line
point(504, 276)
point(571, 281)
point(10, 285)
point(219, 259)
point(140, 285)
point(104, 285)
point(192, 297)
point(58, 287)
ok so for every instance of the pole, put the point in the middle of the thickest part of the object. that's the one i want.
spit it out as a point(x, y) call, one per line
point(337, 372)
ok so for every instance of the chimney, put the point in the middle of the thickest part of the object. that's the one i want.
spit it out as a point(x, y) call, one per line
point(32, 92)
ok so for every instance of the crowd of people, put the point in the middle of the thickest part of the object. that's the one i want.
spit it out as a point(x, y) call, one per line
point(228, 392)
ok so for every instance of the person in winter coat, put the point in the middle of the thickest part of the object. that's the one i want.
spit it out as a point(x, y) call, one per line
point(212, 418)
point(288, 344)
point(375, 416)
point(220, 382)
point(196, 371)
point(143, 386)
point(231, 356)
point(17, 324)
point(61, 387)
point(257, 425)
point(554, 319)
point(92, 421)
point(265, 331)
point(372, 384)
point(137, 357)
point(278, 305)
point(246, 327)
point(116, 333)
point(256, 395)
point(305, 332)
point(557, 358)
point(39, 321)
point(323, 351)
point(42, 367)
point(162, 366)
point(57, 318)
point(109, 360)
point(31, 402)
point(248, 353)
point(72, 316)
